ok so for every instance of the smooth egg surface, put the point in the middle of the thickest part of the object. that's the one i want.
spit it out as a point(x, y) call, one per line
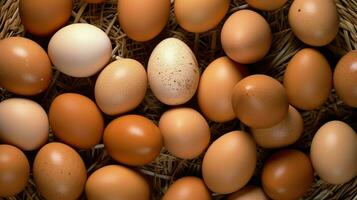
point(188, 188)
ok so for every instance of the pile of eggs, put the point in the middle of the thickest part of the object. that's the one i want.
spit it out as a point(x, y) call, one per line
point(225, 91)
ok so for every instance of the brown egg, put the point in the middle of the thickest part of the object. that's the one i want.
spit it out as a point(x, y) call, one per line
point(121, 86)
point(187, 188)
point(76, 120)
point(229, 162)
point(315, 22)
point(249, 192)
point(142, 20)
point(282, 134)
point(185, 132)
point(308, 79)
point(345, 78)
point(259, 101)
point(200, 15)
point(25, 68)
point(14, 170)
point(59, 172)
point(216, 88)
point(246, 37)
point(287, 174)
point(334, 152)
point(132, 140)
point(266, 5)
point(116, 182)
point(43, 17)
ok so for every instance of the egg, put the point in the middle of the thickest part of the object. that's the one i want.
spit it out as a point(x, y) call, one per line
point(345, 78)
point(249, 192)
point(334, 152)
point(315, 22)
point(132, 140)
point(260, 101)
point(216, 88)
point(43, 17)
point(142, 20)
point(185, 132)
point(59, 172)
point(76, 120)
point(121, 86)
point(80, 50)
point(23, 123)
point(308, 79)
point(282, 134)
point(229, 162)
point(14, 170)
point(200, 15)
point(246, 37)
point(173, 72)
point(116, 182)
point(266, 5)
point(287, 174)
point(187, 188)
point(25, 68)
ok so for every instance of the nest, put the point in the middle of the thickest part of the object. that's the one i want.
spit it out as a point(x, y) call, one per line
point(167, 168)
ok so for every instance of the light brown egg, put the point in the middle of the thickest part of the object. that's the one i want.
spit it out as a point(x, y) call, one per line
point(215, 88)
point(25, 68)
point(287, 174)
point(249, 192)
point(23, 123)
point(282, 134)
point(315, 22)
point(59, 172)
point(187, 188)
point(121, 86)
point(185, 132)
point(345, 78)
point(200, 15)
point(116, 182)
point(142, 20)
point(132, 140)
point(14, 170)
point(43, 17)
point(229, 162)
point(334, 152)
point(266, 5)
point(246, 37)
point(259, 101)
point(76, 120)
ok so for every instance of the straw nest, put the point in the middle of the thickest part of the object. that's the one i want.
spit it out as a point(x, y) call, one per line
point(167, 168)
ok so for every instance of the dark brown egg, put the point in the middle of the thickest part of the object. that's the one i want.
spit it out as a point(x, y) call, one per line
point(187, 188)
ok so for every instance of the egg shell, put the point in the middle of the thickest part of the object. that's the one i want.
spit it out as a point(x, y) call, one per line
point(200, 15)
point(76, 120)
point(116, 182)
point(249, 192)
point(287, 174)
point(173, 72)
point(266, 5)
point(142, 20)
point(43, 17)
point(185, 132)
point(14, 170)
point(132, 140)
point(334, 152)
point(188, 188)
point(246, 37)
point(216, 88)
point(229, 162)
point(282, 134)
point(80, 50)
point(23, 123)
point(260, 101)
point(345, 78)
point(25, 68)
point(315, 22)
point(308, 79)
point(121, 86)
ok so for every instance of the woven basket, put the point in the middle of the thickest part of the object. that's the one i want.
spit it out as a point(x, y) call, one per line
point(167, 168)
